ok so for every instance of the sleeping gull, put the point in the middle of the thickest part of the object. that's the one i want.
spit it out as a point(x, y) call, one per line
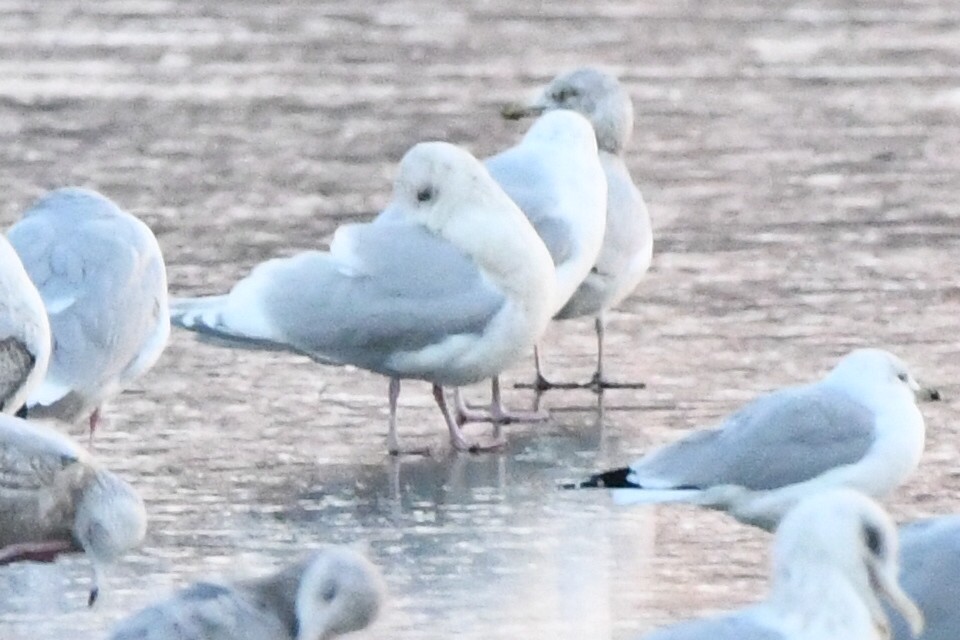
point(858, 427)
point(450, 286)
point(930, 574)
point(554, 175)
point(101, 275)
point(834, 564)
point(24, 332)
point(55, 499)
point(332, 592)
point(628, 240)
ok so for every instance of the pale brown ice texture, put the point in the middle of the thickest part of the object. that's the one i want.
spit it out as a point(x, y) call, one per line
point(800, 160)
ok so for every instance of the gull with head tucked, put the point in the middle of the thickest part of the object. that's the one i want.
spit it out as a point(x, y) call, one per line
point(450, 286)
point(332, 592)
point(24, 333)
point(101, 275)
point(834, 565)
point(858, 427)
point(627, 247)
point(55, 499)
point(554, 175)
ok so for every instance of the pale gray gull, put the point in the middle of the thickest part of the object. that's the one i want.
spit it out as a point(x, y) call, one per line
point(834, 565)
point(332, 592)
point(858, 427)
point(450, 286)
point(554, 175)
point(627, 247)
point(102, 278)
point(55, 499)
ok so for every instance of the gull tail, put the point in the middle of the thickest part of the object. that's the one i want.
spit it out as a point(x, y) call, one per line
point(206, 316)
point(624, 488)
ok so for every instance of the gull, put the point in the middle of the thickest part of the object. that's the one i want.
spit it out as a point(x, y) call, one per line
point(627, 247)
point(834, 563)
point(450, 286)
point(55, 499)
point(332, 592)
point(930, 574)
point(554, 175)
point(24, 333)
point(101, 276)
point(858, 427)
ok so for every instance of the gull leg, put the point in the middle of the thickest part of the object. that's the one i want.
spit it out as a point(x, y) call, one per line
point(94, 423)
point(598, 382)
point(501, 415)
point(393, 442)
point(466, 413)
point(459, 442)
point(46, 551)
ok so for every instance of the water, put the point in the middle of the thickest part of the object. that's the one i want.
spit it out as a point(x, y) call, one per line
point(800, 165)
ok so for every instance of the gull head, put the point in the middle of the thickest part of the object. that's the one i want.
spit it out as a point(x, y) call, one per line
point(437, 180)
point(875, 371)
point(340, 591)
point(110, 521)
point(563, 127)
point(73, 201)
point(847, 536)
point(595, 94)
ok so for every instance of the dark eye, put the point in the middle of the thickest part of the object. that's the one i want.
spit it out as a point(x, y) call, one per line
point(902, 376)
point(873, 539)
point(329, 593)
point(424, 194)
point(565, 93)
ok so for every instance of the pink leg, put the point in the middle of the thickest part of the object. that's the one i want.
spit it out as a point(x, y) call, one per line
point(94, 423)
point(501, 415)
point(46, 551)
point(459, 442)
point(393, 442)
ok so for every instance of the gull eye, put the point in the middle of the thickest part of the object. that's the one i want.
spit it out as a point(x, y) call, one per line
point(902, 377)
point(329, 593)
point(873, 539)
point(563, 94)
point(424, 194)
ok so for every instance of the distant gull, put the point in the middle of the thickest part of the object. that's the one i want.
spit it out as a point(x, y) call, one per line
point(333, 592)
point(55, 499)
point(24, 333)
point(554, 175)
point(834, 564)
point(101, 275)
point(930, 574)
point(858, 427)
point(628, 239)
point(451, 286)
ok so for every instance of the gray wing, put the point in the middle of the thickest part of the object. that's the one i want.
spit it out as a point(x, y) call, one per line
point(930, 574)
point(203, 611)
point(788, 436)
point(395, 287)
point(518, 173)
point(32, 454)
point(102, 279)
point(732, 627)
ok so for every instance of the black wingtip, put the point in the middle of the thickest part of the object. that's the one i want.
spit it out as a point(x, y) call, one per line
point(613, 479)
point(22, 412)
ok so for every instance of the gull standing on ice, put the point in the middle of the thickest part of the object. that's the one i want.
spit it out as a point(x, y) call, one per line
point(101, 275)
point(55, 499)
point(834, 565)
point(930, 574)
point(554, 175)
point(628, 239)
point(24, 333)
point(332, 592)
point(450, 286)
point(858, 427)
